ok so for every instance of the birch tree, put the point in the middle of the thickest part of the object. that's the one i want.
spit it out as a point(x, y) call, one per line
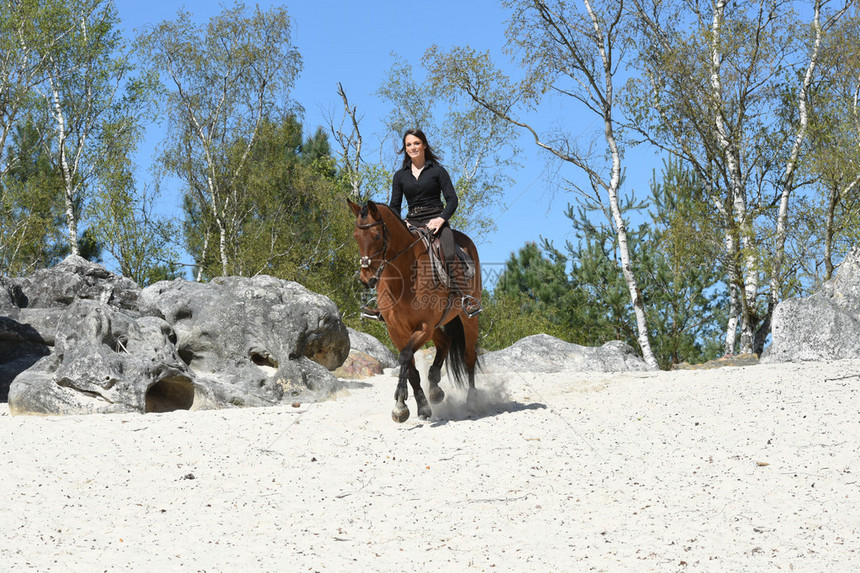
point(224, 80)
point(569, 50)
point(78, 107)
point(712, 92)
point(31, 220)
point(786, 183)
point(835, 147)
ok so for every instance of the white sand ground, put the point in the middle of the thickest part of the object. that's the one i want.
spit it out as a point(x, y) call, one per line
point(736, 469)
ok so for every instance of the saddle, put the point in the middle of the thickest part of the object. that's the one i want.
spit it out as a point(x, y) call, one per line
point(438, 259)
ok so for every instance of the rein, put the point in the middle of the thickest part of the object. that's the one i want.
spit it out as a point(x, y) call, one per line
point(366, 260)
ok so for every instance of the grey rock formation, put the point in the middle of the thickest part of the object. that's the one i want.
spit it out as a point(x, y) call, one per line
point(76, 278)
point(78, 339)
point(106, 361)
point(21, 346)
point(823, 326)
point(363, 342)
point(545, 353)
point(255, 341)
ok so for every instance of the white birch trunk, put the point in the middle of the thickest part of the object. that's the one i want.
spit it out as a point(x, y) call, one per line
point(738, 198)
point(601, 101)
point(643, 337)
point(787, 180)
point(222, 245)
point(205, 251)
point(732, 325)
point(734, 305)
point(69, 189)
point(218, 215)
point(750, 286)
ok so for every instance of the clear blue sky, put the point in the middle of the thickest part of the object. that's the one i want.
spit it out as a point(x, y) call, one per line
point(351, 42)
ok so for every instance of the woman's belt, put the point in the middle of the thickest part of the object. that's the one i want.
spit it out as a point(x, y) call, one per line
point(423, 212)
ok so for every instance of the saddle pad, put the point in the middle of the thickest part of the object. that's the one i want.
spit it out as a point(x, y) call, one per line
point(437, 257)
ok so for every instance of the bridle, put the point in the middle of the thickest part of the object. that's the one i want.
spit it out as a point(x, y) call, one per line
point(366, 260)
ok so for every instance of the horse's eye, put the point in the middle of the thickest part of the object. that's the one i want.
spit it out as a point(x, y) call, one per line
point(377, 236)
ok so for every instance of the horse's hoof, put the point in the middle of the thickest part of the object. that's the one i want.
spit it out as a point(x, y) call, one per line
point(436, 395)
point(400, 414)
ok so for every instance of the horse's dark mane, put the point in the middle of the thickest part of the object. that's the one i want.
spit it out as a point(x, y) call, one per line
point(364, 213)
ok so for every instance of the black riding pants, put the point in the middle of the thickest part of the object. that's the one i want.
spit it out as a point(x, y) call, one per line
point(445, 234)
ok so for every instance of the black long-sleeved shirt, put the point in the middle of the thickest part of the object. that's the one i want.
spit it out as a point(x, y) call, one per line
point(432, 184)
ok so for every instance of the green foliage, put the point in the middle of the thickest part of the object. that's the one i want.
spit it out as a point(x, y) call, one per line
point(20, 70)
point(528, 272)
point(31, 207)
point(60, 76)
point(826, 214)
point(123, 213)
point(724, 87)
point(137, 237)
point(674, 256)
point(681, 284)
point(89, 248)
point(80, 111)
point(508, 317)
point(412, 107)
point(533, 295)
point(227, 81)
point(289, 219)
point(604, 312)
point(536, 281)
point(316, 148)
point(582, 297)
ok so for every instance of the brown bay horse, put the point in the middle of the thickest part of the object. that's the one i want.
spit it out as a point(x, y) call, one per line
point(417, 309)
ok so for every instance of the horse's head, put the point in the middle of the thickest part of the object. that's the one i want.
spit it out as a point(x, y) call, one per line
point(370, 235)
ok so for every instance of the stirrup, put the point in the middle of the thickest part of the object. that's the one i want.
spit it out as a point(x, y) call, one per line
point(474, 302)
point(368, 313)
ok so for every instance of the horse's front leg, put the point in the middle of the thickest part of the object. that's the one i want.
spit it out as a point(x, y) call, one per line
point(400, 413)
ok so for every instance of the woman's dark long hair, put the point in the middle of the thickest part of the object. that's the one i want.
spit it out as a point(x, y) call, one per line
point(429, 155)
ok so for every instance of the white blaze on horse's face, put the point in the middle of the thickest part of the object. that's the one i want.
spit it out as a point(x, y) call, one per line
point(368, 235)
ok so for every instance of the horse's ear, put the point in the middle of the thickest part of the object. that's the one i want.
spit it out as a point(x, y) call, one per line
point(354, 207)
point(374, 212)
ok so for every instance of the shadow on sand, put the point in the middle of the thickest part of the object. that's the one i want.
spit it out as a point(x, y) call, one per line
point(456, 411)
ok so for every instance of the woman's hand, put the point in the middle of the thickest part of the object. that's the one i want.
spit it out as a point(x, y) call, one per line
point(435, 224)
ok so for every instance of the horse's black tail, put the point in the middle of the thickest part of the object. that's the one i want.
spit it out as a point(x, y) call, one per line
point(457, 367)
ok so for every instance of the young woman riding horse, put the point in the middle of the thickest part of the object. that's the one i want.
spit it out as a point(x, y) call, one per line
point(415, 306)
